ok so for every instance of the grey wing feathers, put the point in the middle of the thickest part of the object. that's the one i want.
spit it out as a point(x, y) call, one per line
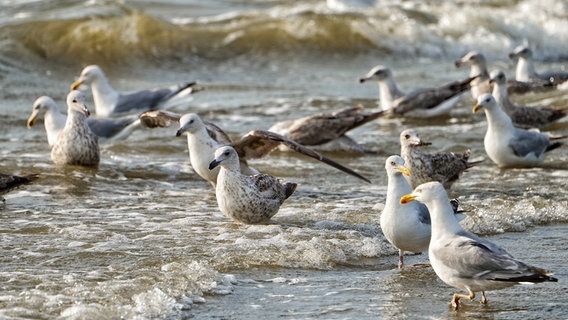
point(525, 142)
point(109, 127)
point(158, 118)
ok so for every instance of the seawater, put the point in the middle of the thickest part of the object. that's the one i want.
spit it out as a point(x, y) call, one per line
point(142, 237)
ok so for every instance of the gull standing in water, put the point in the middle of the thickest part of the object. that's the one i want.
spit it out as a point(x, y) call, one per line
point(526, 72)
point(327, 131)
point(76, 144)
point(463, 260)
point(522, 116)
point(109, 102)
point(203, 138)
point(107, 129)
point(444, 167)
point(426, 102)
point(247, 199)
point(507, 145)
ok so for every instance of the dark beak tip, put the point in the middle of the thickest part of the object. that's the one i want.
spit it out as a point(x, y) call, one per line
point(178, 133)
point(361, 80)
point(213, 164)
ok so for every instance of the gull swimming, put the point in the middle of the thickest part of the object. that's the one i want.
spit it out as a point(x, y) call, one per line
point(522, 116)
point(444, 167)
point(526, 71)
point(247, 199)
point(76, 143)
point(107, 129)
point(426, 102)
point(109, 102)
point(327, 131)
point(203, 138)
point(463, 260)
point(9, 182)
point(507, 145)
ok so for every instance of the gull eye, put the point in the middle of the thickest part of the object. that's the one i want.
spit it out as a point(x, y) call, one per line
point(407, 136)
point(74, 100)
point(191, 121)
point(226, 153)
point(393, 163)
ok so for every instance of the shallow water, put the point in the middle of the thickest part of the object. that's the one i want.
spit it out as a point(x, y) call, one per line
point(142, 238)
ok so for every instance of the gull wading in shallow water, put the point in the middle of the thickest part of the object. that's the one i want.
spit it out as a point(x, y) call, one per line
point(203, 138)
point(427, 102)
point(107, 129)
point(327, 131)
point(444, 167)
point(109, 102)
point(407, 227)
point(507, 145)
point(247, 199)
point(522, 116)
point(526, 71)
point(463, 260)
point(76, 144)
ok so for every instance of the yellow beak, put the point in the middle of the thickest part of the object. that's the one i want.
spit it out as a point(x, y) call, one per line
point(32, 119)
point(407, 198)
point(405, 171)
point(476, 108)
point(76, 84)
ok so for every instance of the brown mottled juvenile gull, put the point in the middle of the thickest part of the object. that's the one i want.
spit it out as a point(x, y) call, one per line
point(247, 199)
point(522, 116)
point(76, 143)
point(107, 129)
point(9, 182)
point(507, 145)
point(203, 138)
point(425, 102)
point(463, 260)
point(407, 227)
point(526, 71)
point(444, 167)
point(327, 131)
point(109, 102)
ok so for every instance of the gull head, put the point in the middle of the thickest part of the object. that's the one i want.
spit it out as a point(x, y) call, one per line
point(224, 156)
point(471, 58)
point(88, 75)
point(486, 101)
point(395, 166)
point(497, 76)
point(409, 138)
point(40, 107)
point(377, 73)
point(425, 192)
point(521, 52)
point(190, 123)
point(76, 102)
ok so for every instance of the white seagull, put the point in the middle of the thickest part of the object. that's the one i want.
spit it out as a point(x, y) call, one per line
point(247, 199)
point(203, 138)
point(425, 102)
point(522, 116)
point(76, 144)
point(462, 259)
point(107, 129)
point(109, 102)
point(526, 71)
point(507, 145)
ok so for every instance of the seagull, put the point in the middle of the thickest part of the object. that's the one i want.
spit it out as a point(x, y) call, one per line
point(76, 143)
point(107, 129)
point(247, 199)
point(522, 116)
point(203, 138)
point(478, 69)
point(327, 131)
point(507, 145)
point(462, 259)
point(526, 72)
point(109, 102)
point(9, 182)
point(427, 102)
point(444, 167)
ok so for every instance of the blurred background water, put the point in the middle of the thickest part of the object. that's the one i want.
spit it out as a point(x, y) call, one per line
point(141, 237)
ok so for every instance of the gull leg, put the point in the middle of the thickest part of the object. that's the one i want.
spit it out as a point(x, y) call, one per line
point(400, 259)
point(483, 298)
point(455, 303)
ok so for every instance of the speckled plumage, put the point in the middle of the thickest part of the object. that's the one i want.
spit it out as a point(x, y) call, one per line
point(424, 102)
point(444, 167)
point(522, 116)
point(247, 199)
point(76, 143)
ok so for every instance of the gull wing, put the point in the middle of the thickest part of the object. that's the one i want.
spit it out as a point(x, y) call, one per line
point(148, 99)
point(158, 118)
point(525, 142)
